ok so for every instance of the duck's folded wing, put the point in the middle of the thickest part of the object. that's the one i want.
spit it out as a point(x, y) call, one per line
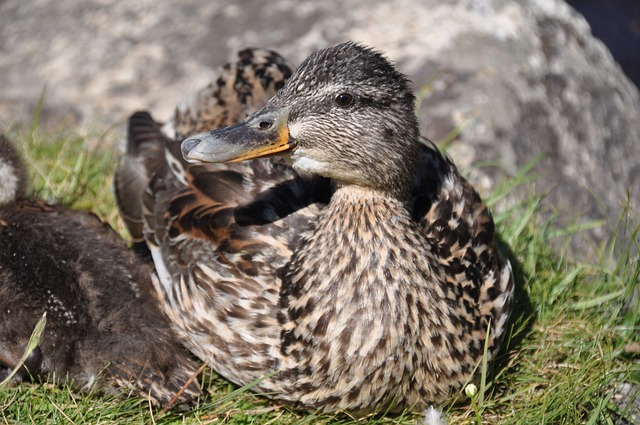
point(219, 235)
point(459, 227)
point(250, 214)
point(144, 157)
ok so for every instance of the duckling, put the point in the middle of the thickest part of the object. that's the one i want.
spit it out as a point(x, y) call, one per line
point(346, 262)
point(104, 329)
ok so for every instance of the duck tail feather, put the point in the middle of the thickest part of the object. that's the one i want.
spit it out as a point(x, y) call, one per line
point(144, 157)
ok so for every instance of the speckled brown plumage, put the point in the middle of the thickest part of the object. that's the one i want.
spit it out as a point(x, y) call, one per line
point(104, 329)
point(361, 269)
point(241, 87)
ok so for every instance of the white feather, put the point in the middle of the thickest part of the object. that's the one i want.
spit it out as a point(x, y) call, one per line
point(9, 185)
point(161, 269)
point(433, 416)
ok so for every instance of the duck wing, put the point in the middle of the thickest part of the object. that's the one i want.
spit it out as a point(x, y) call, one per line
point(219, 235)
point(461, 232)
point(240, 87)
point(143, 158)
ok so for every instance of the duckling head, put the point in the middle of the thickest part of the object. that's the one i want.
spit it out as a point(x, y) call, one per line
point(13, 176)
point(345, 114)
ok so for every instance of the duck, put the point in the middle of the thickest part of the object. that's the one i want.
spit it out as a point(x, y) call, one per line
point(321, 250)
point(103, 329)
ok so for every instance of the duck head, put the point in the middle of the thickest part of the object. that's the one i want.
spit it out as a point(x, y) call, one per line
point(345, 114)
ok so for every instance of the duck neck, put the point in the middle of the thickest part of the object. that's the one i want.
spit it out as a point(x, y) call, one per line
point(371, 205)
point(356, 243)
point(358, 266)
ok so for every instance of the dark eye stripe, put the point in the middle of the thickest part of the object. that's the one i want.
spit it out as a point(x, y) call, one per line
point(344, 100)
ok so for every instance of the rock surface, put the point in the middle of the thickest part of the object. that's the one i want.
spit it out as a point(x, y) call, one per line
point(516, 78)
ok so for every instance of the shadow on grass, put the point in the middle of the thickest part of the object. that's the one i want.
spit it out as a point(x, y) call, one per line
point(524, 314)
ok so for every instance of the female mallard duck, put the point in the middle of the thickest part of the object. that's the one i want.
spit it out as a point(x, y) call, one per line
point(359, 273)
point(103, 325)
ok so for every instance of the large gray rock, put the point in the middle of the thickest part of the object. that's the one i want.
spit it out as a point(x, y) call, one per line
point(517, 78)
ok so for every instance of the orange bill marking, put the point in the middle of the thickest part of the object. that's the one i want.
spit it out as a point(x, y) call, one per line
point(272, 147)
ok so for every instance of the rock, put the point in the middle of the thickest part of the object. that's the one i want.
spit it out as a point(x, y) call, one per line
point(516, 78)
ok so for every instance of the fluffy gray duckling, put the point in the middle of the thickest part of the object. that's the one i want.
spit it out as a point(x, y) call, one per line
point(104, 329)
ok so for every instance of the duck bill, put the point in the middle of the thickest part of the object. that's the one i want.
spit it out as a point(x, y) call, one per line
point(262, 134)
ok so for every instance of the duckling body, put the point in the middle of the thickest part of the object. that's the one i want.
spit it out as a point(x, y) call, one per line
point(104, 329)
point(360, 270)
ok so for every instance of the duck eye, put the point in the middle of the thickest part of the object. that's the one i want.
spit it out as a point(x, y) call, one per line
point(344, 100)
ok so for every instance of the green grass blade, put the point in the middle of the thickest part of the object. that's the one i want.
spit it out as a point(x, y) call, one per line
point(34, 340)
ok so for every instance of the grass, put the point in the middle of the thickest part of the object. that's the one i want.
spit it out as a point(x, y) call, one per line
point(575, 334)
